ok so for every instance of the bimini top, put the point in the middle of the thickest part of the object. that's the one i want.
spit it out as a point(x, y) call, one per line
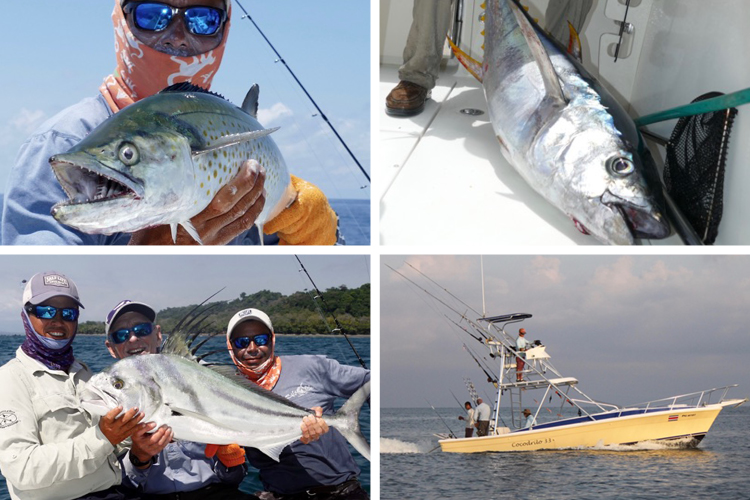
point(506, 317)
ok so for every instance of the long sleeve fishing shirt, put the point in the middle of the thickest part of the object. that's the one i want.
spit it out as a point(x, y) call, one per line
point(312, 381)
point(49, 446)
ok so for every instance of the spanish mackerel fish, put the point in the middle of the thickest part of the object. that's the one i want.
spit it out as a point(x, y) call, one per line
point(210, 404)
point(162, 160)
point(564, 133)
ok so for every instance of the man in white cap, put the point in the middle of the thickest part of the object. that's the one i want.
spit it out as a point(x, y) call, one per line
point(50, 447)
point(325, 468)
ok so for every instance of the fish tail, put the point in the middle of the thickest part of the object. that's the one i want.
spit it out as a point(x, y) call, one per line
point(472, 65)
point(349, 414)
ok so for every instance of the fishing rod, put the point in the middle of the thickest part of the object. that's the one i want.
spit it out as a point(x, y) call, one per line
point(338, 328)
point(451, 434)
point(444, 289)
point(490, 378)
point(325, 118)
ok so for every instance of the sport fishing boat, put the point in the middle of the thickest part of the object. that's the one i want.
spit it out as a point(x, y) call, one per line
point(681, 420)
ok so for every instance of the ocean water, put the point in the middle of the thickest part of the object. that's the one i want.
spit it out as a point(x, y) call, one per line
point(411, 467)
point(90, 349)
point(354, 220)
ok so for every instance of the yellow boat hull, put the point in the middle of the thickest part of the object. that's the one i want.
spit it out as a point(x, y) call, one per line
point(666, 425)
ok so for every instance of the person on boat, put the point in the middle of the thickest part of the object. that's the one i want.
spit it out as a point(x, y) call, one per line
point(325, 468)
point(424, 48)
point(521, 346)
point(529, 419)
point(157, 47)
point(482, 414)
point(50, 447)
point(469, 432)
point(156, 465)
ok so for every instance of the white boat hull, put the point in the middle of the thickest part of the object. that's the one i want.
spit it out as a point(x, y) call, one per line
point(663, 424)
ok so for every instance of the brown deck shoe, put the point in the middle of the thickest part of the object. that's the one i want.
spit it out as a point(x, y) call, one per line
point(406, 99)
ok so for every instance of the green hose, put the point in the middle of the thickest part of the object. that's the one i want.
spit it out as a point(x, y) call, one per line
point(709, 105)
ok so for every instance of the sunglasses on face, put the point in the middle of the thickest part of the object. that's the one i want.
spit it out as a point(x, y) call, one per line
point(123, 335)
point(49, 312)
point(156, 16)
point(243, 342)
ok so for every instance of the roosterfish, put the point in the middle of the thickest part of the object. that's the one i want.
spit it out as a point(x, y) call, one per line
point(162, 160)
point(564, 133)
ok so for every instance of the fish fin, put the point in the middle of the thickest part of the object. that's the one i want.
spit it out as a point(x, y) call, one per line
point(188, 226)
point(472, 65)
point(250, 104)
point(574, 44)
point(349, 413)
point(549, 75)
point(177, 411)
point(231, 140)
point(173, 227)
point(189, 87)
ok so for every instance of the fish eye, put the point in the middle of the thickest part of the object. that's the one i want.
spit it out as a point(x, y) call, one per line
point(128, 153)
point(118, 384)
point(620, 165)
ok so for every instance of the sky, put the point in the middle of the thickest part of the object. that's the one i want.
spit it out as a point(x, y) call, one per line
point(629, 328)
point(65, 53)
point(172, 280)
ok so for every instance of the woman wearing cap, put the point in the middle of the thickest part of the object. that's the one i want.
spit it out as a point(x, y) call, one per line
point(49, 446)
point(324, 469)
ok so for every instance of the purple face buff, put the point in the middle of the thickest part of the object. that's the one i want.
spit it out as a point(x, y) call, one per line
point(53, 358)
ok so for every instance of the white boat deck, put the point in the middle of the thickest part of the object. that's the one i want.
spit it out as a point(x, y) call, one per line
point(443, 179)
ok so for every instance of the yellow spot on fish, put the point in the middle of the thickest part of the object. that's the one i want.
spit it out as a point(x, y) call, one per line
point(208, 193)
point(215, 174)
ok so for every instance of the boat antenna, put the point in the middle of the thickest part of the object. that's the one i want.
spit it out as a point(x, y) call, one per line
point(339, 328)
point(441, 419)
point(481, 265)
point(320, 111)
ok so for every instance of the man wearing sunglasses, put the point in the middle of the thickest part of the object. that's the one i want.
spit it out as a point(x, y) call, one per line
point(50, 447)
point(155, 465)
point(158, 44)
point(324, 469)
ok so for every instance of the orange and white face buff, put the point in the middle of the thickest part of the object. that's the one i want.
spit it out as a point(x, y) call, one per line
point(267, 374)
point(142, 71)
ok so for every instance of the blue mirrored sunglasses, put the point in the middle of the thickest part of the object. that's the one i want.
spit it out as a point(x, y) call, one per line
point(243, 342)
point(49, 312)
point(123, 335)
point(155, 16)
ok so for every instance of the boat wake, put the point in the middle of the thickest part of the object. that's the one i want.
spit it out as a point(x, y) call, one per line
point(397, 446)
point(674, 444)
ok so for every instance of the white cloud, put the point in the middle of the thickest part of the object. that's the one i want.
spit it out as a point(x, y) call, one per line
point(278, 111)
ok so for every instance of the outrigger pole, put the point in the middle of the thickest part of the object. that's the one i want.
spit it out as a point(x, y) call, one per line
point(322, 115)
point(339, 328)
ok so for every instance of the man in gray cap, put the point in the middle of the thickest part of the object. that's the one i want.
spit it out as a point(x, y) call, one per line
point(50, 447)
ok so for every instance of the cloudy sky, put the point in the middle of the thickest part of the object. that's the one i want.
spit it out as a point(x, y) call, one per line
point(63, 50)
point(172, 280)
point(629, 328)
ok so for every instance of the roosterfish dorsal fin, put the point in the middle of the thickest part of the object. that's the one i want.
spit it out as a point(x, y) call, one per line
point(250, 104)
point(551, 81)
point(189, 87)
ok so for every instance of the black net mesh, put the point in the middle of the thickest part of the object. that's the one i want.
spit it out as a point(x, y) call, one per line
point(694, 168)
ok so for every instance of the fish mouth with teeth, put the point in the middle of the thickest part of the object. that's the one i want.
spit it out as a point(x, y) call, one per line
point(86, 180)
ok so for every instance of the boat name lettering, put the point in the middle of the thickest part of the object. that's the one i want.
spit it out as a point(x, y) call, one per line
point(533, 442)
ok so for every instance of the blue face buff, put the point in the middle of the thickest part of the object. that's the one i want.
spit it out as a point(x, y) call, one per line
point(52, 353)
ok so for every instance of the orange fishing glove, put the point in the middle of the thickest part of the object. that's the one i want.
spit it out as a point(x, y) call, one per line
point(310, 220)
point(230, 455)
